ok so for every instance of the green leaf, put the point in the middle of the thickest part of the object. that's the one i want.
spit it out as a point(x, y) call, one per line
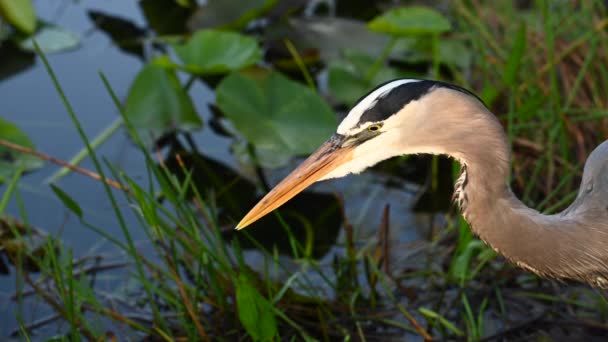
point(183, 3)
point(255, 312)
point(67, 200)
point(19, 13)
point(419, 49)
point(515, 57)
point(51, 39)
point(275, 114)
point(157, 104)
point(228, 14)
point(347, 76)
point(216, 52)
point(10, 160)
point(411, 20)
point(165, 17)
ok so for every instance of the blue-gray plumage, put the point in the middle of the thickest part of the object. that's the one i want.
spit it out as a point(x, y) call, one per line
point(419, 116)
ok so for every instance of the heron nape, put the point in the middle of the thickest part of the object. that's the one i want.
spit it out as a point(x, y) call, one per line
point(408, 116)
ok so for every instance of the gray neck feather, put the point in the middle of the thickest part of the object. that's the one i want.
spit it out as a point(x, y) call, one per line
point(572, 244)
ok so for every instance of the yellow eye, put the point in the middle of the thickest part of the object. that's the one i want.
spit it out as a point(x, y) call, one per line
point(374, 128)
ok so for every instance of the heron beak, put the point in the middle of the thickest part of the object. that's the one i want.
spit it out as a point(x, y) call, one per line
point(328, 157)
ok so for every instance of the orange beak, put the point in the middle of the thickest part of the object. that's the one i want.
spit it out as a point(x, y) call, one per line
point(325, 159)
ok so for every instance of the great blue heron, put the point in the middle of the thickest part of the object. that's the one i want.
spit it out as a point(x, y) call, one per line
point(420, 116)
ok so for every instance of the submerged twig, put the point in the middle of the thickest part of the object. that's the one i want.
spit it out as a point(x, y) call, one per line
point(35, 325)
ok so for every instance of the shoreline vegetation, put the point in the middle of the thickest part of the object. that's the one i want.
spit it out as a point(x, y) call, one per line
point(279, 86)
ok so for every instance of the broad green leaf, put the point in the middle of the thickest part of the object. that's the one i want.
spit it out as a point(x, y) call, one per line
point(228, 14)
point(419, 49)
point(67, 200)
point(14, 59)
point(411, 20)
point(10, 160)
point(183, 3)
point(215, 52)
point(347, 76)
point(255, 312)
point(455, 52)
point(19, 13)
point(165, 17)
point(157, 104)
point(329, 36)
point(125, 33)
point(275, 114)
point(51, 39)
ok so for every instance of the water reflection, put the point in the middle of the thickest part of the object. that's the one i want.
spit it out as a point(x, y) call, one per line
point(30, 101)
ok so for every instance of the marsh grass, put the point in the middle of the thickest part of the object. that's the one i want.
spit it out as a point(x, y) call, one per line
point(196, 286)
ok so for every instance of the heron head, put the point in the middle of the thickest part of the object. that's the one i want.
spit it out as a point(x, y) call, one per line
point(393, 119)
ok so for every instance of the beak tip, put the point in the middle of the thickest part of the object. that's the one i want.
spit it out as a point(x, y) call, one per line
point(243, 224)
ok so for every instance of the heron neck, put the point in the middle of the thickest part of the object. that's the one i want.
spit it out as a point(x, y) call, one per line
point(560, 245)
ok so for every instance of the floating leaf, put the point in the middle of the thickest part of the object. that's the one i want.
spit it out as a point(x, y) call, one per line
point(329, 36)
point(233, 14)
point(127, 35)
point(214, 52)
point(255, 312)
point(166, 17)
point(11, 160)
point(411, 20)
point(157, 104)
point(19, 13)
point(347, 76)
point(183, 3)
point(13, 60)
point(51, 39)
point(274, 113)
point(419, 49)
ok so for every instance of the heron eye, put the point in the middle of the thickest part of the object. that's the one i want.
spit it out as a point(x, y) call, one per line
point(374, 128)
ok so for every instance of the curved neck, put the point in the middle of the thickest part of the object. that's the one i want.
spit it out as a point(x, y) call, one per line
point(552, 245)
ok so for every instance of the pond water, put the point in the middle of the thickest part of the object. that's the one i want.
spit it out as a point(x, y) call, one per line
point(29, 100)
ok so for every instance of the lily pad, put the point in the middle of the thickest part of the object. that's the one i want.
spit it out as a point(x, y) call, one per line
point(413, 20)
point(13, 60)
point(11, 160)
point(51, 39)
point(233, 14)
point(216, 52)
point(419, 49)
point(158, 105)
point(347, 77)
point(165, 17)
point(328, 35)
point(124, 33)
point(20, 14)
point(274, 113)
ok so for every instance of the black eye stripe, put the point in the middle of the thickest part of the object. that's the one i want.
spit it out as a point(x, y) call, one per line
point(393, 100)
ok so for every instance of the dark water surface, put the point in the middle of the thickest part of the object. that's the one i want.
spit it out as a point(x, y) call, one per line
point(29, 100)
